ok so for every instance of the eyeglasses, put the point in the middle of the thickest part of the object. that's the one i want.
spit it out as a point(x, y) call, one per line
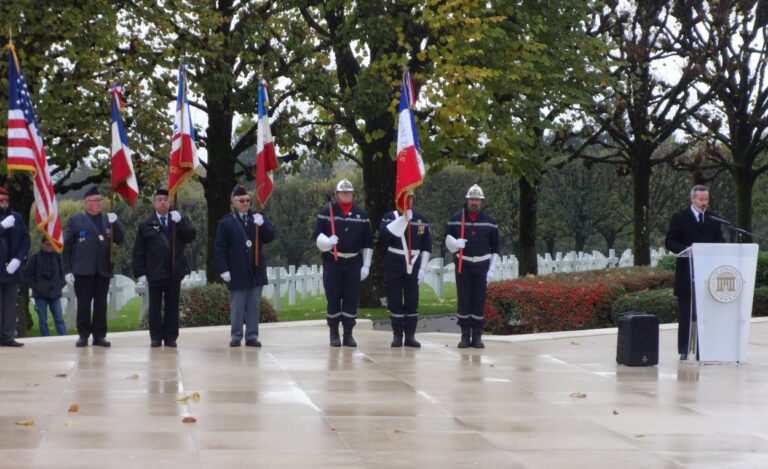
point(243, 201)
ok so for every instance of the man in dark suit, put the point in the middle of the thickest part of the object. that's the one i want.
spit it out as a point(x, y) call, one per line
point(14, 248)
point(87, 265)
point(153, 265)
point(235, 242)
point(693, 224)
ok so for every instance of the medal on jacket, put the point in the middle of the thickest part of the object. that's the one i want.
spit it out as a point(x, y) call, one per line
point(248, 243)
point(101, 237)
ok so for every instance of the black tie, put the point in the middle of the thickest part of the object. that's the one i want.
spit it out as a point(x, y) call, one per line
point(162, 222)
point(245, 219)
point(701, 218)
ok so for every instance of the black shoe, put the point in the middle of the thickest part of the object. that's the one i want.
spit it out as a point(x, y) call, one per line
point(348, 340)
point(12, 343)
point(234, 343)
point(82, 342)
point(335, 339)
point(101, 342)
point(397, 340)
point(155, 343)
point(465, 342)
point(410, 341)
point(253, 343)
point(683, 357)
point(170, 343)
point(477, 342)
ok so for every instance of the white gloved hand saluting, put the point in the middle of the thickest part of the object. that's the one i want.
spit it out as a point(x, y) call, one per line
point(12, 266)
point(8, 222)
point(112, 217)
point(226, 277)
point(258, 219)
point(364, 271)
point(70, 278)
point(175, 216)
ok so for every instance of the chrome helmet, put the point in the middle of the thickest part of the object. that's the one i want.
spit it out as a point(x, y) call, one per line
point(475, 192)
point(344, 186)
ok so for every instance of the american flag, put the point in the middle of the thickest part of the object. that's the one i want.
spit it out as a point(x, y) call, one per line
point(265, 149)
point(26, 152)
point(184, 161)
point(410, 166)
point(123, 176)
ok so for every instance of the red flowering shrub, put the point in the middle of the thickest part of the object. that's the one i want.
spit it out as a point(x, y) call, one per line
point(209, 306)
point(560, 302)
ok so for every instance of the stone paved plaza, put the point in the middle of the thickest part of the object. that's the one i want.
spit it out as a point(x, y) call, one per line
point(539, 401)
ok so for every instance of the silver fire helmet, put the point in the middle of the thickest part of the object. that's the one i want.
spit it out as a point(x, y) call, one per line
point(344, 186)
point(475, 192)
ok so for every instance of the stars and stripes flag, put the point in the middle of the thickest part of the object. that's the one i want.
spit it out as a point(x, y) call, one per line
point(184, 160)
point(266, 161)
point(123, 176)
point(27, 153)
point(410, 166)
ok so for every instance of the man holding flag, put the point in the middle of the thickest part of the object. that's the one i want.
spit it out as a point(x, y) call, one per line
point(26, 153)
point(473, 236)
point(404, 231)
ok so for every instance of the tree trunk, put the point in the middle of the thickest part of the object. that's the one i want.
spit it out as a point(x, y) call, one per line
point(379, 180)
point(580, 240)
point(220, 178)
point(641, 180)
point(528, 216)
point(744, 180)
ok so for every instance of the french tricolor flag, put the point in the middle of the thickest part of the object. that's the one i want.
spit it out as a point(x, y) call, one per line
point(123, 176)
point(266, 161)
point(410, 166)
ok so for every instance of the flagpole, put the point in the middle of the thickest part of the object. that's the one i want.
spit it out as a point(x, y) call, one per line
point(258, 207)
point(181, 158)
point(461, 251)
point(111, 204)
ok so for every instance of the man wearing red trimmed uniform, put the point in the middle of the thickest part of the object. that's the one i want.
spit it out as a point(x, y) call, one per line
point(473, 236)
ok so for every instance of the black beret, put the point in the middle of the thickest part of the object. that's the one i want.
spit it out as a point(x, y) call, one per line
point(239, 190)
point(161, 191)
point(93, 190)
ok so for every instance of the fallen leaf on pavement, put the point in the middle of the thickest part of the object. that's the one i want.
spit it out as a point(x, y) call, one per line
point(189, 420)
point(615, 412)
point(73, 408)
point(133, 376)
point(578, 395)
point(61, 375)
point(25, 423)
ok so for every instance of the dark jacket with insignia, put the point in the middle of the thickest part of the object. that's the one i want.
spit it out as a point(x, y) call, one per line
point(421, 239)
point(482, 235)
point(86, 245)
point(152, 249)
point(353, 230)
point(233, 255)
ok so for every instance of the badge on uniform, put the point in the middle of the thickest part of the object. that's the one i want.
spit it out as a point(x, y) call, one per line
point(82, 236)
point(156, 227)
point(249, 243)
point(101, 237)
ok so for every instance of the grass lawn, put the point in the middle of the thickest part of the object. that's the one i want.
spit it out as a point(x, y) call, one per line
point(129, 319)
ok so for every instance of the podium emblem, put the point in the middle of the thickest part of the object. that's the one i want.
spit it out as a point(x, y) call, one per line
point(725, 284)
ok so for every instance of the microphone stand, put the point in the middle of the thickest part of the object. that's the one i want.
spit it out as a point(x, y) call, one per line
point(736, 230)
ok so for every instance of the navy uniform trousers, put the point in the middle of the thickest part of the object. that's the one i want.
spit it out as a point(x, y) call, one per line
point(341, 281)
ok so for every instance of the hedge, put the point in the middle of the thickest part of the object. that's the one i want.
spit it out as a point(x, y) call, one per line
point(560, 302)
point(209, 306)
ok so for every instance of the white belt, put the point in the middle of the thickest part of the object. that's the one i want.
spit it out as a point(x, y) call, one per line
point(414, 252)
point(477, 258)
point(348, 255)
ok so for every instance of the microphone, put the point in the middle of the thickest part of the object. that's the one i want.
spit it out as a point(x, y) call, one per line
point(719, 220)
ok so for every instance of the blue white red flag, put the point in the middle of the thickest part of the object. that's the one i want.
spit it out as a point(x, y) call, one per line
point(123, 176)
point(27, 153)
point(184, 160)
point(410, 166)
point(266, 161)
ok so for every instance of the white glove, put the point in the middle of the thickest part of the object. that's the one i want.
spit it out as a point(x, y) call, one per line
point(461, 243)
point(70, 278)
point(421, 275)
point(12, 266)
point(226, 277)
point(454, 244)
point(112, 217)
point(489, 276)
point(142, 280)
point(334, 240)
point(258, 219)
point(175, 216)
point(364, 271)
point(323, 243)
point(8, 222)
point(397, 226)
